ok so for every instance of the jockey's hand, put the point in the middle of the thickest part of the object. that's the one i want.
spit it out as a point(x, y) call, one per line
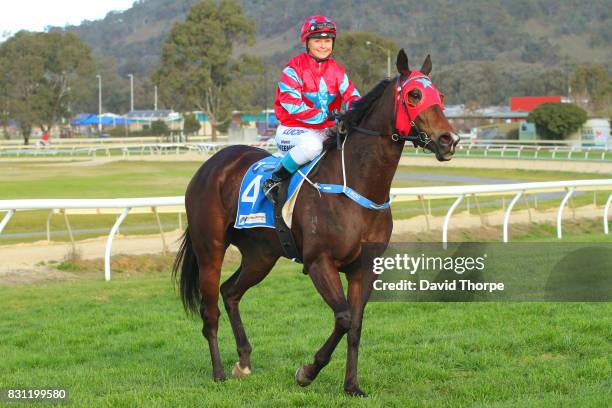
point(334, 114)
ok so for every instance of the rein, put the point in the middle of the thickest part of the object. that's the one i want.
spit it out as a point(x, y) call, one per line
point(420, 139)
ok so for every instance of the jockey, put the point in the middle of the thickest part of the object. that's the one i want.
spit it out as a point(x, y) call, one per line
point(311, 88)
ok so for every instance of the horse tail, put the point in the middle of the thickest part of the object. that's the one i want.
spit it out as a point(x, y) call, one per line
point(189, 281)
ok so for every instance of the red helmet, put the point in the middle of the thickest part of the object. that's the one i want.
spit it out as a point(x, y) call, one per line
point(323, 27)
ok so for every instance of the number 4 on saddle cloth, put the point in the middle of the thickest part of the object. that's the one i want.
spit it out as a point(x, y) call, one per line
point(254, 210)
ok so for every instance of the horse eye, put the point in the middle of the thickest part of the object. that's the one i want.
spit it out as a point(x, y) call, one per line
point(415, 94)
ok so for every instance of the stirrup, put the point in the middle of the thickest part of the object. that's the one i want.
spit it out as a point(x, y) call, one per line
point(270, 189)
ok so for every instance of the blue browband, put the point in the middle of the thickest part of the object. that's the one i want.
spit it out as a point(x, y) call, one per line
point(353, 195)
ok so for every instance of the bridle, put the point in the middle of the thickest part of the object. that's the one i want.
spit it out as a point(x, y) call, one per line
point(417, 136)
point(399, 134)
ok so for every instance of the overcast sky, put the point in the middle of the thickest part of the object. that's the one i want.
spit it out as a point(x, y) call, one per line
point(35, 15)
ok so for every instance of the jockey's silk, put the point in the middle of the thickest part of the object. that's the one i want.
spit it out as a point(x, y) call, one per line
point(308, 90)
point(430, 96)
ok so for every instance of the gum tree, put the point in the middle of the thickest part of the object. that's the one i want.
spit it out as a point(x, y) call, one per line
point(195, 69)
point(44, 75)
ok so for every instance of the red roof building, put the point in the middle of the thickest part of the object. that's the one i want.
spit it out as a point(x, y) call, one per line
point(529, 103)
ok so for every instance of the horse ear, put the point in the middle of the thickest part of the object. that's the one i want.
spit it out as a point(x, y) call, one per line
point(402, 63)
point(426, 68)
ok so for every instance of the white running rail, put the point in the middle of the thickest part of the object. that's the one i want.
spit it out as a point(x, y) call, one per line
point(458, 192)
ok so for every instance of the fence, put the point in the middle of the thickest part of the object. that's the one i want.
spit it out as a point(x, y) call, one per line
point(510, 149)
point(397, 194)
point(122, 149)
point(531, 149)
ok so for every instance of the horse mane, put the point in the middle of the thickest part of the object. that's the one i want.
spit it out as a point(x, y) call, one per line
point(360, 110)
point(362, 107)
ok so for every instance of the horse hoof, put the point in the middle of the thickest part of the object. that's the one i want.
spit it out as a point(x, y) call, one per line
point(301, 378)
point(239, 372)
point(219, 379)
point(355, 392)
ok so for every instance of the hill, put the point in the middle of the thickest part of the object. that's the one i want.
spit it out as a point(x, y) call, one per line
point(531, 35)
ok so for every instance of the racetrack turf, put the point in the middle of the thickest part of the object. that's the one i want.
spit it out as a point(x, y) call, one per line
point(128, 343)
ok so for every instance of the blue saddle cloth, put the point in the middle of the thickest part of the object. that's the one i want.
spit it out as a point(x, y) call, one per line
point(254, 209)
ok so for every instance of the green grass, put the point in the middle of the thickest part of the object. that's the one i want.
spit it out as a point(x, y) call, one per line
point(128, 343)
point(65, 179)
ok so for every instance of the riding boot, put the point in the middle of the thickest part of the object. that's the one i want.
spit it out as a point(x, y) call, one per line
point(271, 185)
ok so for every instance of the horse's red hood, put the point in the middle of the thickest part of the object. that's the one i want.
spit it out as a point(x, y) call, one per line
point(430, 96)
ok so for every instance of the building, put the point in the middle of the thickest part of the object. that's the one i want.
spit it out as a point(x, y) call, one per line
point(529, 103)
point(142, 119)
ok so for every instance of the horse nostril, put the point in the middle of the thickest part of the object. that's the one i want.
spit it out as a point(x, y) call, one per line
point(457, 139)
point(445, 139)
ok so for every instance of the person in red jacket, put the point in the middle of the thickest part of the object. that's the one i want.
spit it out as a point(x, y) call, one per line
point(312, 86)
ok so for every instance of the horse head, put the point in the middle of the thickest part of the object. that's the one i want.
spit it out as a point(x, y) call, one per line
point(419, 110)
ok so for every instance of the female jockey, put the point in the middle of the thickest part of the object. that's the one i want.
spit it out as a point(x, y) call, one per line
point(312, 86)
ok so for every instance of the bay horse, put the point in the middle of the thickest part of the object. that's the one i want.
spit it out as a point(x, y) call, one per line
point(330, 231)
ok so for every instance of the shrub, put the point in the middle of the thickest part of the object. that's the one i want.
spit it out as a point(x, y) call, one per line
point(556, 121)
point(159, 128)
point(191, 125)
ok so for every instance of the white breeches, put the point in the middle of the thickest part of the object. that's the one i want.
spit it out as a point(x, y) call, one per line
point(302, 144)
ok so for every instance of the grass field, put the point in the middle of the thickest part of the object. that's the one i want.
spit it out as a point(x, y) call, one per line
point(128, 343)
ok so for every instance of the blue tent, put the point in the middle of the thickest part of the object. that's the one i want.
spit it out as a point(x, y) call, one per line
point(84, 119)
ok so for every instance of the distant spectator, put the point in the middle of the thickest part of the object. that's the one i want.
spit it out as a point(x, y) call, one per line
point(44, 140)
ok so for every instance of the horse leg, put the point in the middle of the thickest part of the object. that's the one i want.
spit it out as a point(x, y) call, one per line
point(252, 271)
point(326, 279)
point(359, 288)
point(210, 260)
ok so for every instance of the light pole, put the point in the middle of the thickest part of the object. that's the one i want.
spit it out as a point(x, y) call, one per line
point(131, 92)
point(388, 56)
point(99, 103)
point(266, 97)
point(155, 98)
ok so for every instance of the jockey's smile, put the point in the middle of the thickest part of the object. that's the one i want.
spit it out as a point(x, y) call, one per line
point(320, 48)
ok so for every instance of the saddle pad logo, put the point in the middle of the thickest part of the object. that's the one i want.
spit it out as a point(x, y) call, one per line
point(257, 218)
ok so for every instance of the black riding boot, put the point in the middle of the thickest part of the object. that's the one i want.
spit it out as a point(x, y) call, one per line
point(271, 185)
